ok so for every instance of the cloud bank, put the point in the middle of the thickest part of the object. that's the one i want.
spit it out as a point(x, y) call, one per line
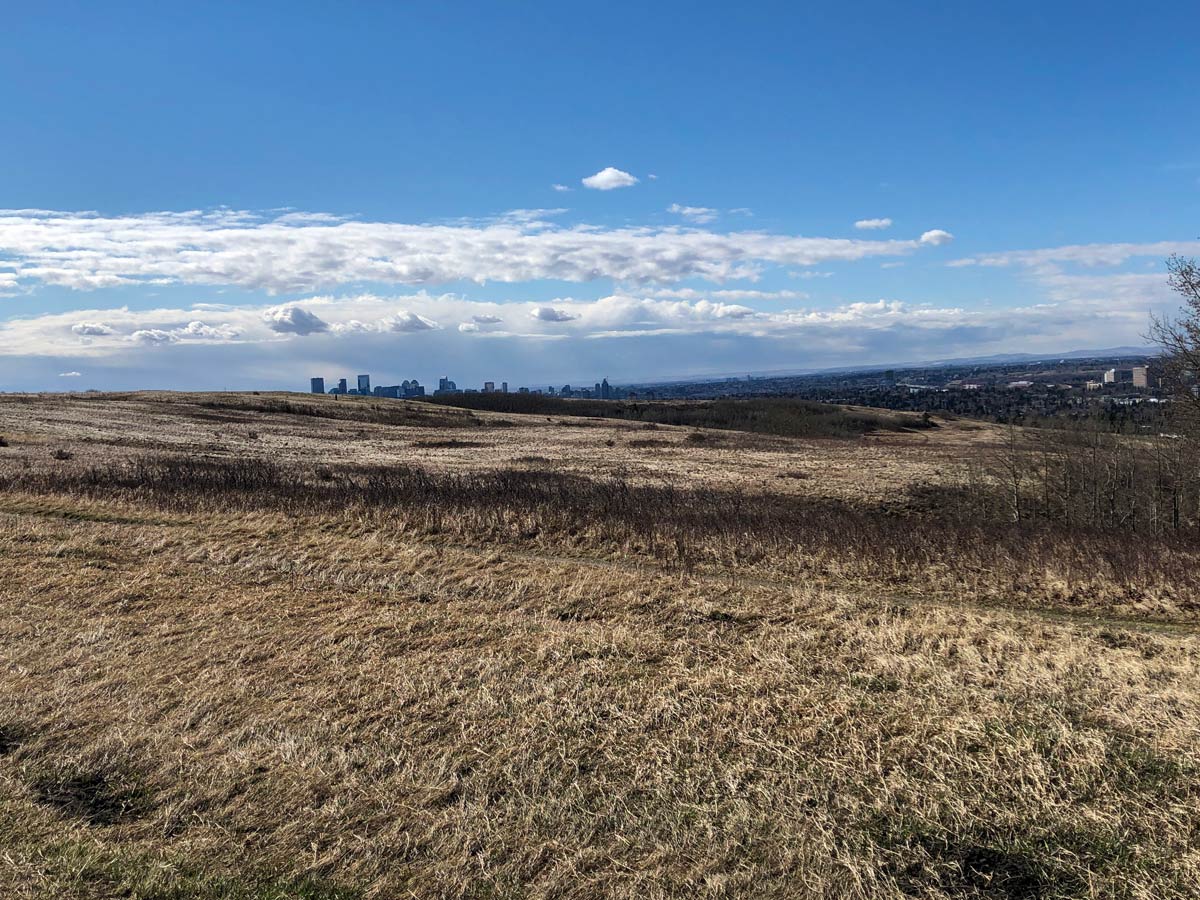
point(297, 252)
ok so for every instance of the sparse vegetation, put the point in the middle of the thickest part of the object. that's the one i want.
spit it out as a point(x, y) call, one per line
point(843, 669)
point(784, 416)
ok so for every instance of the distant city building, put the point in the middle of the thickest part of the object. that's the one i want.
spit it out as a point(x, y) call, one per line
point(446, 386)
point(364, 384)
point(605, 390)
point(1093, 385)
point(1141, 377)
point(341, 388)
point(1110, 377)
point(317, 385)
point(504, 387)
point(489, 387)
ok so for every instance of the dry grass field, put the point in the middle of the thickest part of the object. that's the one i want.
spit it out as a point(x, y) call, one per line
point(274, 646)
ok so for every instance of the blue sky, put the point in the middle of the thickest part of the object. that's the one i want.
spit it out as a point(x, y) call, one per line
point(243, 195)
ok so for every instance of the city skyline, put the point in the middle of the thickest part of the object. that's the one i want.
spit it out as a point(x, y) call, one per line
point(812, 196)
point(412, 387)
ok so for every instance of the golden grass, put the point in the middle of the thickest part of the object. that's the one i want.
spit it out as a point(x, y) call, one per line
point(247, 703)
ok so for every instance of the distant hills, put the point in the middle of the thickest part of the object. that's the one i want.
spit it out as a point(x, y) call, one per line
point(994, 360)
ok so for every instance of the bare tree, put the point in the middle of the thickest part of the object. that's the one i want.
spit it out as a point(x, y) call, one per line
point(1179, 338)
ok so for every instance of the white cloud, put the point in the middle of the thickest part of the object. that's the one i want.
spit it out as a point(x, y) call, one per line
point(292, 319)
point(730, 294)
point(561, 188)
point(405, 321)
point(608, 179)
point(936, 237)
point(226, 248)
point(153, 337)
point(485, 319)
point(467, 327)
point(353, 326)
point(698, 214)
point(873, 224)
point(70, 374)
point(197, 329)
point(550, 314)
point(1082, 254)
point(87, 329)
point(537, 216)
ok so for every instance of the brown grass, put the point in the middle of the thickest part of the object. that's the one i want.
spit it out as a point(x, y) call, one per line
point(312, 688)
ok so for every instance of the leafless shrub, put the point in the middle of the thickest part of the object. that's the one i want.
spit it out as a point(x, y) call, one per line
point(972, 525)
point(1087, 476)
point(61, 454)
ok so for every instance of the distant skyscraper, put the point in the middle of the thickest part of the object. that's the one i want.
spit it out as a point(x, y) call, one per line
point(318, 385)
point(342, 387)
point(364, 384)
point(489, 387)
point(1141, 377)
point(1110, 377)
point(504, 387)
point(605, 390)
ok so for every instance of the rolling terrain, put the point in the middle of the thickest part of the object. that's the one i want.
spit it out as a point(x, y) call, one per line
point(268, 646)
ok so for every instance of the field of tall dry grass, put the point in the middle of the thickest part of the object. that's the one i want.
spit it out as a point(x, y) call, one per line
point(269, 646)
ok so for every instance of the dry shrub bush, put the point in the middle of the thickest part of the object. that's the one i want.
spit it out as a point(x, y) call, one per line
point(955, 539)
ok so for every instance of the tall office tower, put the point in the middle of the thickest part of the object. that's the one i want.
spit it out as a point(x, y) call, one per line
point(504, 387)
point(342, 387)
point(605, 390)
point(1110, 377)
point(364, 384)
point(1140, 377)
point(489, 387)
point(318, 385)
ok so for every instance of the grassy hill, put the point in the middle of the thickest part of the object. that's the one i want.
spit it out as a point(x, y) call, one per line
point(270, 647)
point(785, 416)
